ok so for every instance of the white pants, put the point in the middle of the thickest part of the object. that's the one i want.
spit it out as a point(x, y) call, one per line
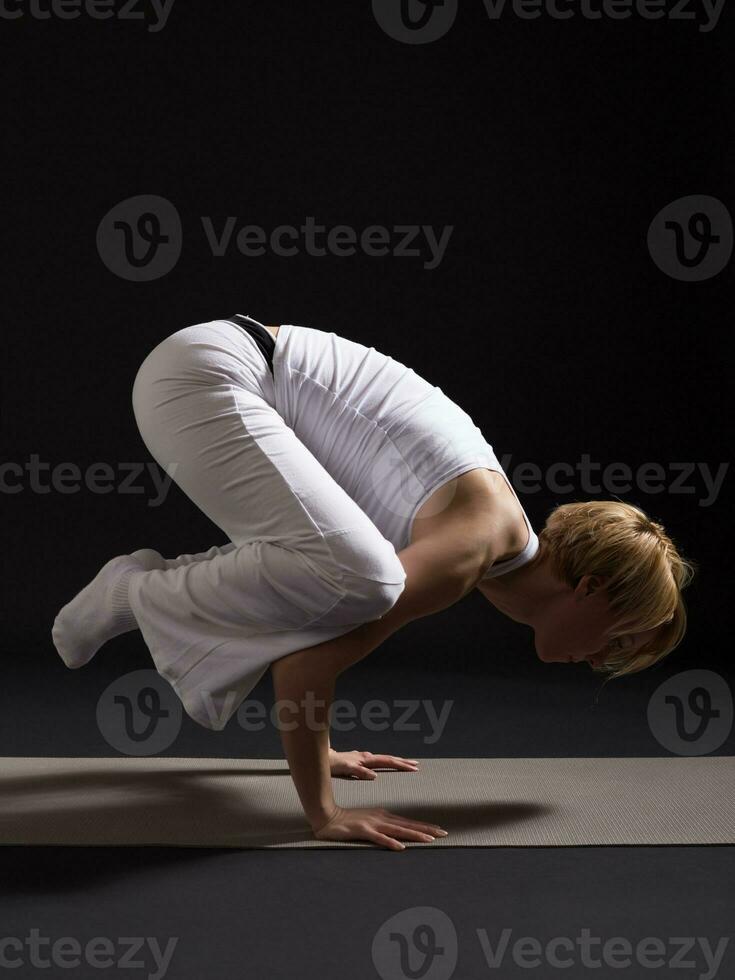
point(303, 564)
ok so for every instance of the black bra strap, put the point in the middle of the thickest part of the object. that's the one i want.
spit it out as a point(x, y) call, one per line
point(262, 337)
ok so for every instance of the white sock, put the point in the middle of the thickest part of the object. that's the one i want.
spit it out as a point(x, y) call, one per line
point(98, 613)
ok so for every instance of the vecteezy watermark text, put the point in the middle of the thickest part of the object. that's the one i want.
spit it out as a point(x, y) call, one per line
point(141, 239)
point(311, 238)
point(155, 13)
point(41, 477)
point(618, 952)
point(673, 10)
point(591, 477)
point(423, 942)
point(99, 953)
point(399, 715)
point(425, 21)
point(139, 714)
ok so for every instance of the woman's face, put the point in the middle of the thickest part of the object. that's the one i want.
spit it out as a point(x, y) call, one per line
point(578, 626)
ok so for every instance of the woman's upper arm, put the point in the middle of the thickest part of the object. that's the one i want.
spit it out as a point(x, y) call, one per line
point(439, 572)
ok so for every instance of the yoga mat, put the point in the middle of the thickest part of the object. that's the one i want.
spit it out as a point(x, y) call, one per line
point(252, 803)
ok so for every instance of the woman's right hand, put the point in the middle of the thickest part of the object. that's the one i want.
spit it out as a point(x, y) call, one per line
point(377, 826)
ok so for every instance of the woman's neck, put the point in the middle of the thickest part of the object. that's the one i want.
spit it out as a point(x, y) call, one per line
point(523, 592)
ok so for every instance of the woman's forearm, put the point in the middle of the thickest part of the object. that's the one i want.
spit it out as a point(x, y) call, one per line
point(304, 701)
point(305, 680)
point(304, 685)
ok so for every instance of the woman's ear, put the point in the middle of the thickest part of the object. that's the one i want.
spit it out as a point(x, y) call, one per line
point(589, 584)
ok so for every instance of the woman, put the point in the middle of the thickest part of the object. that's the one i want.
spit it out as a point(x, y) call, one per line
point(356, 498)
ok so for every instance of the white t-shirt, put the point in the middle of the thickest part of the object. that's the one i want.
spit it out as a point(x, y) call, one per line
point(387, 436)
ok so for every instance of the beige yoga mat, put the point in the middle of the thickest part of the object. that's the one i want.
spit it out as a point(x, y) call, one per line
point(252, 803)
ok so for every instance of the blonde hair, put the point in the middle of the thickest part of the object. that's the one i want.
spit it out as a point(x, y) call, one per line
point(645, 572)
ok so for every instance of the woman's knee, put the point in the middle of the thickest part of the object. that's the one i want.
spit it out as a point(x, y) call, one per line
point(381, 597)
point(372, 580)
point(364, 600)
point(365, 553)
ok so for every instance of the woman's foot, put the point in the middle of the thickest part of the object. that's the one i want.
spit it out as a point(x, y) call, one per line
point(101, 610)
point(149, 559)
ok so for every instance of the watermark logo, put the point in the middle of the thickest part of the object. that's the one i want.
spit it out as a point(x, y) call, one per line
point(416, 944)
point(692, 712)
point(139, 714)
point(141, 238)
point(415, 21)
point(691, 239)
point(424, 21)
point(422, 943)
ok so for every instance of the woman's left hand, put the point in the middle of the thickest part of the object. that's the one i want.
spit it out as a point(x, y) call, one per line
point(359, 765)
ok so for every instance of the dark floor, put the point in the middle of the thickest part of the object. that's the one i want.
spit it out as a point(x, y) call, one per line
point(272, 916)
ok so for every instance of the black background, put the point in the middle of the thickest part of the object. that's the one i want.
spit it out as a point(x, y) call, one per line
point(549, 146)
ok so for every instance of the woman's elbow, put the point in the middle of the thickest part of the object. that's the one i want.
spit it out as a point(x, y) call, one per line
point(368, 599)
